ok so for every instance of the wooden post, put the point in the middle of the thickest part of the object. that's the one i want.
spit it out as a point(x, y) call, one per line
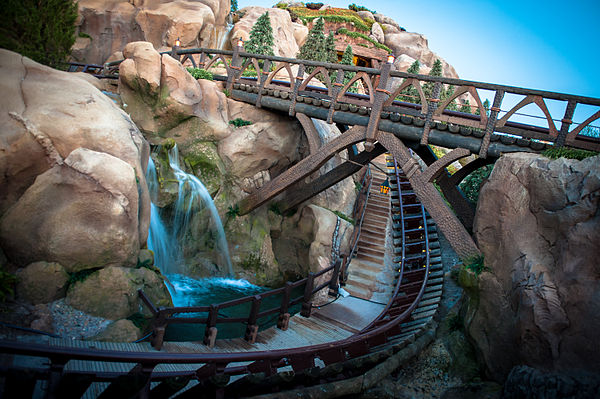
point(284, 315)
point(566, 123)
point(381, 94)
point(334, 283)
point(252, 328)
point(210, 334)
point(174, 51)
point(297, 83)
point(491, 124)
point(307, 302)
point(433, 103)
point(235, 67)
point(158, 334)
point(57, 366)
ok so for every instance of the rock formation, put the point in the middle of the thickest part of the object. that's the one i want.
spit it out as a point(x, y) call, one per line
point(537, 223)
point(72, 170)
point(105, 27)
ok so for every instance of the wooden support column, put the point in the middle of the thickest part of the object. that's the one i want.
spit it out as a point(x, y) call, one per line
point(337, 86)
point(234, 69)
point(252, 327)
point(284, 314)
point(566, 123)
point(445, 219)
point(262, 79)
point(210, 333)
point(297, 83)
point(381, 95)
point(302, 169)
point(491, 124)
point(314, 141)
point(307, 300)
point(433, 104)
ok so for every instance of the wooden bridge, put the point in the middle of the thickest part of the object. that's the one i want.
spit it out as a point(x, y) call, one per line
point(311, 352)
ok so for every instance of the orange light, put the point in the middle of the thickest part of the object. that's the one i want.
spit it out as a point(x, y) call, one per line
point(391, 58)
point(240, 42)
point(177, 43)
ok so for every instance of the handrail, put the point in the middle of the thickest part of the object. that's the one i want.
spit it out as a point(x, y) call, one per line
point(360, 206)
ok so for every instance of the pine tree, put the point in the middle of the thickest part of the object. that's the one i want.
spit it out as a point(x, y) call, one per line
point(312, 49)
point(348, 59)
point(41, 30)
point(410, 94)
point(466, 107)
point(330, 53)
point(447, 94)
point(261, 36)
point(436, 70)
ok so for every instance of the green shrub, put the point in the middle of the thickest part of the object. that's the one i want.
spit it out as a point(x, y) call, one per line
point(41, 30)
point(84, 35)
point(471, 185)
point(234, 5)
point(475, 263)
point(199, 73)
point(239, 122)
point(356, 8)
point(345, 217)
point(283, 6)
point(7, 284)
point(569, 153)
point(275, 208)
point(454, 322)
point(590, 131)
point(233, 211)
point(139, 320)
point(314, 6)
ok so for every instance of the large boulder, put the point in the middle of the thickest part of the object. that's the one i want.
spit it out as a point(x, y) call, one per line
point(62, 142)
point(112, 292)
point(42, 282)
point(118, 331)
point(287, 35)
point(110, 25)
point(537, 223)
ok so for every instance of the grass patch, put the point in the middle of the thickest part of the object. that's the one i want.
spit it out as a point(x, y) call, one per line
point(358, 8)
point(239, 122)
point(335, 15)
point(343, 216)
point(84, 35)
point(252, 262)
point(199, 73)
point(569, 153)
point(355, 35)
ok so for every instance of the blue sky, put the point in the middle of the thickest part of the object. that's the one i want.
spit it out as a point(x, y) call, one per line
point(550, 45)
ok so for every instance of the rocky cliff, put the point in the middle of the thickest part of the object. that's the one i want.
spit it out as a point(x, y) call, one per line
point(538, 223)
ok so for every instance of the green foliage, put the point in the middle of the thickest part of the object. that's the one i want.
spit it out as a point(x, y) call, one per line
point(199, 73)
point(471, 185)
point(475, 263)
point(239, 122)
point(41, 30)
point(234, 5)
point(436, 70)
point(348, 59)
point(466, 107)
point(330, 53)
point(233, 211)
point(226, 92)
point(410, 94)
point(84, 35)
point(252, 262)
point(80, 276)
point(275, 208)
point(569, 153)
point(355, 35)
point(7, 284)
point(283, 6)
point(340, 19)
point(345, 217)
point(358, 187)
point(356, 8)
point(261, 37)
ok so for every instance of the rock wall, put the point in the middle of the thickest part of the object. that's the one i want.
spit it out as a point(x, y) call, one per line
point(74, 197)
point(537, 224)
point(110, 25)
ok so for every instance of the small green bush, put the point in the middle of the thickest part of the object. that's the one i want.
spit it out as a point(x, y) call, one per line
point(569, 153)
point(475, 263)
point(199, 73)
point(233, 211)
point(283, 6)
point(345, 217)
point(275, 208)
point(139, 320)
point(356, 8)
point(314, 6)
point(471, 185)
point(239, 122)
point(7, 284)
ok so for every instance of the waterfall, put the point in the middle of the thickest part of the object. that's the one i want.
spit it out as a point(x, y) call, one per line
point(165, 238)
point(224, 35)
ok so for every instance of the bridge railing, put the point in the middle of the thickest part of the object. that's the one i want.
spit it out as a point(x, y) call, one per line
point(327, 87)
point(164, 316)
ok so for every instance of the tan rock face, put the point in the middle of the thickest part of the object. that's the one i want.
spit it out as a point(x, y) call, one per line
point(119, 331)
point(284, 32)
point(537, 222)
point(42, 282)
point(112, 292)
point(113, 24)
point(82, 214)
point(377, 33)
point(52, 117)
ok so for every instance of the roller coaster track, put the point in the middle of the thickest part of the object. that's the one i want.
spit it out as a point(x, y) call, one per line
point(69, 371)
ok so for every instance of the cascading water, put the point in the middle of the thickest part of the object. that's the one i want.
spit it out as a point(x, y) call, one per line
point(165, 239)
